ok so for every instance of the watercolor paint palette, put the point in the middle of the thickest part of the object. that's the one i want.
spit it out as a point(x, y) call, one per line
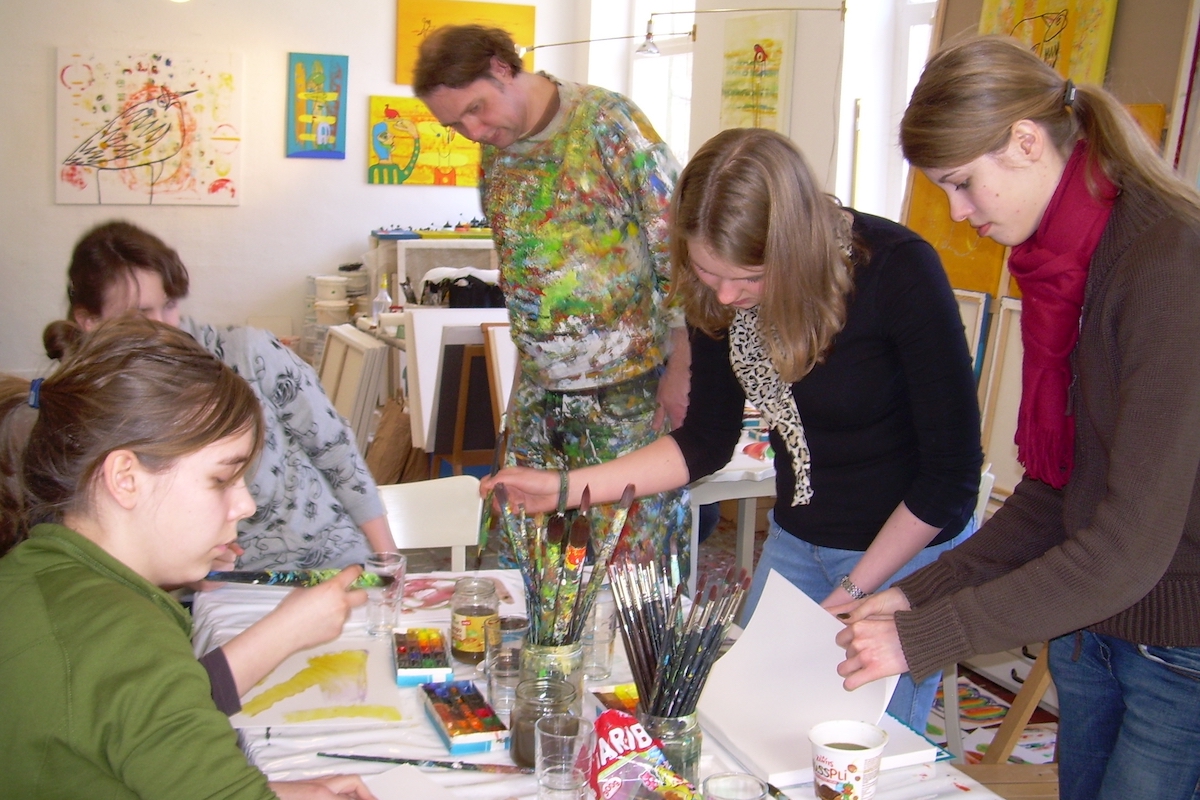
point(463, 719)
point(421, 656)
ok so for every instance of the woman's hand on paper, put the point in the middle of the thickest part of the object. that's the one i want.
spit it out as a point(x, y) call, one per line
point(870, 639)
point(882, 604)
point(536, 489)
point(315, 615)
point(327, 788)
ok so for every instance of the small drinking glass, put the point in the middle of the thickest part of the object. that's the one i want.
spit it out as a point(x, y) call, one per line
point(503, 675)
point(384, 601)
point(599, 637)
point(564, 747)
point(733, 786)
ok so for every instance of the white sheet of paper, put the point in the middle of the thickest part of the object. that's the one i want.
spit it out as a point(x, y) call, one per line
point(403, 783)
point(780, 678)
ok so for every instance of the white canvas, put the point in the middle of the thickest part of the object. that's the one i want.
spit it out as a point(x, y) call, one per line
point(780, 678)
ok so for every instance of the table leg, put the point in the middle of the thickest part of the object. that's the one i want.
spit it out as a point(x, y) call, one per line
point(747, 517)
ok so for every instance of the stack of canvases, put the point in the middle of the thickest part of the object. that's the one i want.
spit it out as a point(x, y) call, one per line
point(353, 374)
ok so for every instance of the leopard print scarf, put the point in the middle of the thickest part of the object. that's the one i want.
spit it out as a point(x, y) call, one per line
point(770, 395)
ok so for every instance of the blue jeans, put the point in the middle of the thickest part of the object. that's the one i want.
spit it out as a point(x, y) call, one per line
point(817, 571)
point(1129, 719)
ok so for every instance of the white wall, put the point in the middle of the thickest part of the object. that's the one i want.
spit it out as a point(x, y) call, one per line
point(297, 216)
point(868, 139)
point(815, 79)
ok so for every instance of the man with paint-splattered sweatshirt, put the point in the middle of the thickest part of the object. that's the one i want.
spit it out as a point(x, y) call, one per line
point(576, 186)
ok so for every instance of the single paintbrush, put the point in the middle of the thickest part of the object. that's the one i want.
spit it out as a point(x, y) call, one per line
point(572, 570)
point(603, 556)
point(293, 577)
point(465, 766)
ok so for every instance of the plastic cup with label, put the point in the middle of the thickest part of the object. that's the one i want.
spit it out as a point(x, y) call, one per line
point(846, 756)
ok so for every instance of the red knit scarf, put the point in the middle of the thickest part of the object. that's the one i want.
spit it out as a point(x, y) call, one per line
point(1051, 270)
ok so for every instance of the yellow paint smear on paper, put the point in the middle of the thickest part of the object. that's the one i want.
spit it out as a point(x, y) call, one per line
point(341, 675)
point(333, 712)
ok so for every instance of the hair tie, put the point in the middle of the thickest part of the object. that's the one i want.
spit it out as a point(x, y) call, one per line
point(35, 393)
point(1069, 94)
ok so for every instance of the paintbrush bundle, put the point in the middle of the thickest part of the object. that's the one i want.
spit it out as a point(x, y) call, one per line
point(550, 557)
point(672, 649)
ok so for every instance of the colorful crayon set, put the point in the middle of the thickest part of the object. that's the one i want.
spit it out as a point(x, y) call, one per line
point(551, 559)
point(421, 657)
point(463, 719)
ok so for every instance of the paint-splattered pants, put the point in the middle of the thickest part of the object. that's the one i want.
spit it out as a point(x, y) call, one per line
point(567, 430)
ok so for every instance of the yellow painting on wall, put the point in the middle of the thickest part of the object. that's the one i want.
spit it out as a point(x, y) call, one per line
point(756, 84)
point(971, 261)
point(416, 19)
point(1072, 36)
point(407, 145)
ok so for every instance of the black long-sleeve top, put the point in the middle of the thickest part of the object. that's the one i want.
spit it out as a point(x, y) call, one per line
point(890, 415)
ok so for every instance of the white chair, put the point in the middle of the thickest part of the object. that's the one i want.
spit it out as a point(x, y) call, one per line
point(443, 512)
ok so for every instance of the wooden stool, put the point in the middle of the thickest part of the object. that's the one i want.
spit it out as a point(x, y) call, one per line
point(458, 456)
point(1018, 780)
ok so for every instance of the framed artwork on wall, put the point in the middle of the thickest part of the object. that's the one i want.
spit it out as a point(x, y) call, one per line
point(756, 85)
point(416, 19)
point(142, 127)
point(407, 145)
point(316, 105)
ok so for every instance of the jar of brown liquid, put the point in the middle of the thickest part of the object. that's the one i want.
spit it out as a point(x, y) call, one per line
point(536, 698)
point(473, 604)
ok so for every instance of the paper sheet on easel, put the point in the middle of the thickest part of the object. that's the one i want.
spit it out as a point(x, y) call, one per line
point(780, 678)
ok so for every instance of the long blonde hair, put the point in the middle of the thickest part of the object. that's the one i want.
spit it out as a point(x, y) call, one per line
point(972, 92)
point(750, 197)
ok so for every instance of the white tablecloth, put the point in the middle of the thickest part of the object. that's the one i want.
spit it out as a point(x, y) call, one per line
point(285, 753)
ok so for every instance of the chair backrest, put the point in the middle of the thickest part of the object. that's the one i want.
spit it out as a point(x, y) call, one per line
point(443, 512)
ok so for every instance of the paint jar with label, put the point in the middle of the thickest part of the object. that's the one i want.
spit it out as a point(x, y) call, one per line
point(680, 738)
point(535, 699)
point(473, 604)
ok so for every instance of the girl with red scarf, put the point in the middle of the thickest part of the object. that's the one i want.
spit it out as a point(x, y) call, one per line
point(1098, 549)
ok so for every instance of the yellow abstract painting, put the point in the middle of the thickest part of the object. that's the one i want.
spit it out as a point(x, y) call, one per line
point(1072, 36)
point(415, 19)
point(407, 145)
point(757, 83)
point(334, 684)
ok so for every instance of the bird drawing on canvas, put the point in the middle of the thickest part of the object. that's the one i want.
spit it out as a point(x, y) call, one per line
point(146, 134)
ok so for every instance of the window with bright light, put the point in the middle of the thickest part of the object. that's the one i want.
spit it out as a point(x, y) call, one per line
point(661, 85)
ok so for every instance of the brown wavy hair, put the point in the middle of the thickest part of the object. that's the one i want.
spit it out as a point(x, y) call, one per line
point(973, 92)
point(16, 420)
point(104, 257)
point(748, 194)
point(457, 55)
point(132, 384)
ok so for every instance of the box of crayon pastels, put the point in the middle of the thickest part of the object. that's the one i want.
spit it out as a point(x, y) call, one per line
point(421, 656)
point(463, 719)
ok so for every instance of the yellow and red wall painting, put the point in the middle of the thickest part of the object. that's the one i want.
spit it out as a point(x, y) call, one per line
point(407, 145)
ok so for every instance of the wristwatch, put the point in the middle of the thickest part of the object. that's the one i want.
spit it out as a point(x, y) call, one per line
point(852, 590)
